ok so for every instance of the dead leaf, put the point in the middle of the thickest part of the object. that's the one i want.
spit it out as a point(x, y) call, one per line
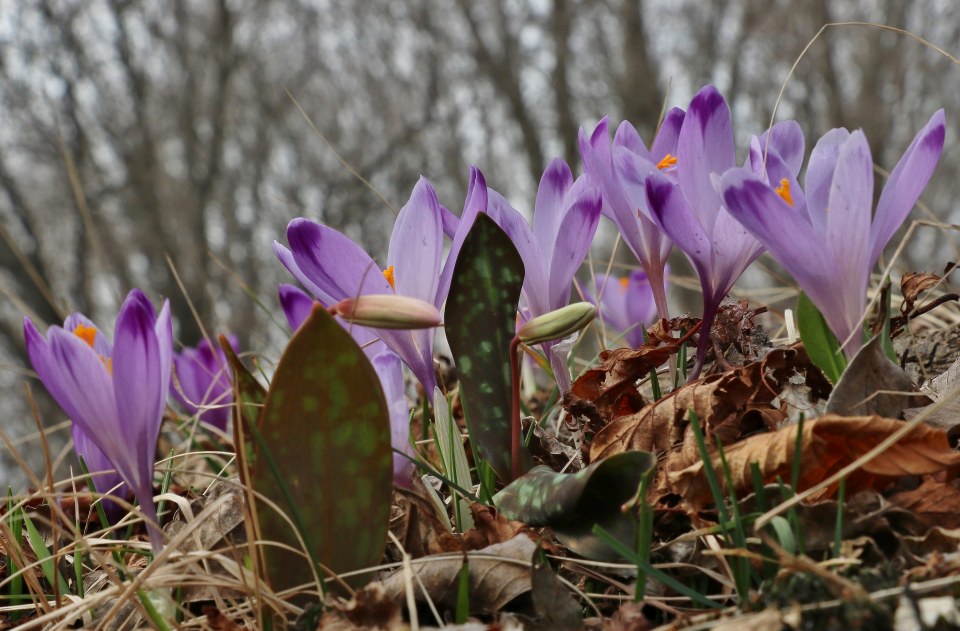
point(218, 621)
point(912, 284)
point(731, 405)
point(933, 503)
point(369, 608)
point(947, 417)
point(609, 387)
point(629, 617)
point(828, 444)
point(498, 574)
point(766, 620)
point(872, 384)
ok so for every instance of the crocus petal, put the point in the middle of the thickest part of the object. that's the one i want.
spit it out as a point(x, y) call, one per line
point(628, 137)
point(475, 203)
point(163, 329)
point(188, 395)
point(786, 234)
point(83, 382)
point(641, 311)
point(612, 296)
point(906, 183)
point(848, 218)
point(786, 138)
point(47, 368)
point(819, 178)
point(535, 281)
point(337, 265)
point(667, 136)
point(285, 256)
point(102, 345)
point(138, 385)
point(296, 304)
point(705, 147)
point(671, 212)
point(773, 169)
point(548, 210)
point(572, 244)
point(416, 245)
point(388, 368)
point(449, 221)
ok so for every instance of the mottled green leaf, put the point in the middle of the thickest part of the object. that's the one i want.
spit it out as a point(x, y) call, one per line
point(327, 462)
point(571, 503)
point(481, 321)
point(246, 389)
point(820, 342)
point(556, 609)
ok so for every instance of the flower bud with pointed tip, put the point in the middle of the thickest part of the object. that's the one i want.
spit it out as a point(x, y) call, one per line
point(388, 311)
point(557, 324)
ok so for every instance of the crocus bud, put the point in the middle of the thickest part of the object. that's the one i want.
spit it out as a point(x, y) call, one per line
point(557, 324)
point(388, 311)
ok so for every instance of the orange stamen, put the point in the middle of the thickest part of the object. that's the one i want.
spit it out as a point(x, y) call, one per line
point(624, 282)
point(86, 333)
point(784, 191)
point(388, 274)
point(667, 162)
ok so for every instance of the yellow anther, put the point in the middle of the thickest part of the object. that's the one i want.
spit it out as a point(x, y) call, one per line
point(784, 191)
point(667, 162)
point(624, 282)
point(86, 333)
point(388, 274)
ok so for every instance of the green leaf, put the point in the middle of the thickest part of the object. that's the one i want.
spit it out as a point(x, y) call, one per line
point(327, 462)
point(821, 344)
point(481, 321)
point(571, 503)
point(47, 566)
point(454, 458)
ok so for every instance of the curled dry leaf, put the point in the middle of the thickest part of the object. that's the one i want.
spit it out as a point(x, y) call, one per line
point(828, 444)
point(731, 404)
point(872, 384)
point(933, 503)
point(498, 574)
point(912, 284)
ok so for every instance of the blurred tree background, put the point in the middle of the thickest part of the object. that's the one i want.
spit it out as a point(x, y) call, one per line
point(133, 131)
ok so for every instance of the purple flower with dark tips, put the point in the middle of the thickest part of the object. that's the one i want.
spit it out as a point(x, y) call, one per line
point(332, 267)
point(689, 209)
point(627, 206)
point(114, 394)
point(204, 382)
point(826, 237)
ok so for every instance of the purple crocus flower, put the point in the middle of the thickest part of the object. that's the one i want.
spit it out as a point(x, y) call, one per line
point(115, 395)
point(565, 219)
point(332, 267)
point(826, 238)
point(204, 380)
point(622, 204)
point(626, 304)
point(296, 307)
point(689, 209)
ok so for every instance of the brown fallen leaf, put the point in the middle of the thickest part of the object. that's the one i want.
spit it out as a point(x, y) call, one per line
point(933, 503)
point(498, 574)
point(828, 444)
point(912, 284)
point(369, 608)
point(947, 416)
point(731, 404)
point(610, 386)
point(872, 384)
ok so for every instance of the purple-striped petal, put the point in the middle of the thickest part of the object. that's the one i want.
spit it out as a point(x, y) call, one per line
point(848, 217)
point(416, 245)
point(628, 137)
point(138, 386)
point(475, 203)
point(388, 368)
point(572, 244)
point(549, 209)
point(285, 256)
point(819, 177)
point(906, 182)
point(296, 304)
point(338, 266)
point(674, 216)
point(786, 139)
point(667, 136)
point(705, 147)
point(102, 345)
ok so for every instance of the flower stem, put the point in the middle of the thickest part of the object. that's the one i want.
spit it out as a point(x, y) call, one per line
point(515, 454)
